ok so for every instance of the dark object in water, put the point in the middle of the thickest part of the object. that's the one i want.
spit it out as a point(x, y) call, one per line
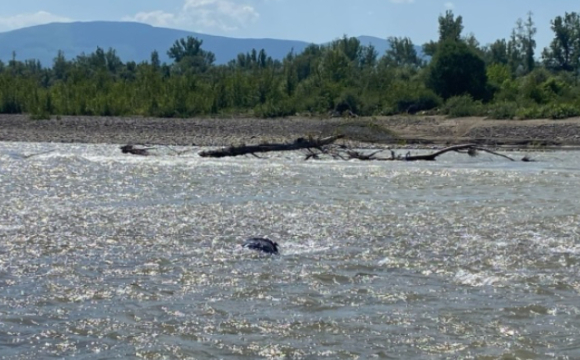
point(526, 158)
point(261, 244)
point(130, 149)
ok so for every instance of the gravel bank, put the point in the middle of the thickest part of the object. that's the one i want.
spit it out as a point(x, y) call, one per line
point(227, 131)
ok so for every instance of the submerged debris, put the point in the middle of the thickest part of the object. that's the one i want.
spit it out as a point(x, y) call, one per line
point(527, 158)
point(261, 244)
point(131, 149)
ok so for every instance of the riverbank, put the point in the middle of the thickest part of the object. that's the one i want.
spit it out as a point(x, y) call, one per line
point(380, 131)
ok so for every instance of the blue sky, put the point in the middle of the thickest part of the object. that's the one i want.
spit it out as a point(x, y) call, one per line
point(309, 20)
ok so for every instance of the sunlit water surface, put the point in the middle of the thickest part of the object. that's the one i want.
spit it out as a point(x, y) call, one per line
point(105, 255)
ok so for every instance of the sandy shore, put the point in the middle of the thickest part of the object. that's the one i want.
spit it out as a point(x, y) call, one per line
point(399, 130)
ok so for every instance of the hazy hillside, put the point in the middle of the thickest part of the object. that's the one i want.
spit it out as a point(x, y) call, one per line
point(134, 41)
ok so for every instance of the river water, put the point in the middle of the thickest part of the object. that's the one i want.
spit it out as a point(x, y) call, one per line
point(104, 255)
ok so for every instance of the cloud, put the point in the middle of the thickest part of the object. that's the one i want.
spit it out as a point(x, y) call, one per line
point(155, 18)
point(30, 19)
point(449, 5)
point(220, 15)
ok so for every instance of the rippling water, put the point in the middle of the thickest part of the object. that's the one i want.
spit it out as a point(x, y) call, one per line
point(104, 255)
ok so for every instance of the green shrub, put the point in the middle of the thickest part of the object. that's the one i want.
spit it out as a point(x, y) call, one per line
point(389, 110)
point(560, 111)
point(507, 91)
point(370, 105)
point(457, 69)
point(502, 110)
point(423, 99)
point(347, 101)
point(532, 86)
point(462, 106)
point(272, 110)
point(529, 112)
point(554, 87)
point(550, 111)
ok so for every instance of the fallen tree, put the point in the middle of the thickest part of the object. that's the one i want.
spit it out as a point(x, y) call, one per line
point(298, 144)
point(470, 149)
point(326, 146)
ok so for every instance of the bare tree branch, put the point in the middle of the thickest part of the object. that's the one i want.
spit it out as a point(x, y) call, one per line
point(300, 143)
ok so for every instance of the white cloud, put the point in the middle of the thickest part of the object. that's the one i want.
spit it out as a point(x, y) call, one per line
point(449, 5)
point(155, 18)
point(30, 19)
point(221, 15)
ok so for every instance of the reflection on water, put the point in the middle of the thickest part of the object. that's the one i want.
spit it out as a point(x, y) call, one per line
point(105, 255)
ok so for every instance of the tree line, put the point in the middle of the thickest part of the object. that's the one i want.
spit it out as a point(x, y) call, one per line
point(455, 75)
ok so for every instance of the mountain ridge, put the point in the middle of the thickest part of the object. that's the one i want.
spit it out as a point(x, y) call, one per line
point(135, 41)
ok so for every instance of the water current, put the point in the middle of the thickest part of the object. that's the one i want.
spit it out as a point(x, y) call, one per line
point(105, 255)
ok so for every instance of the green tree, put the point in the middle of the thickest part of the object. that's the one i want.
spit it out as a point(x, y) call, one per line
point(60, 66)
point(402, 52)
point(497, 52)
point(564, 50)
point(473, 43)
point(306, 63)
point(188, 55)
point(368, 56)
point(155, 62)
point(521, 47)
point(457, 70)
point(113, 61)
point(252, 60)
point(349, 46)
point(450, 28)
point(336, 65)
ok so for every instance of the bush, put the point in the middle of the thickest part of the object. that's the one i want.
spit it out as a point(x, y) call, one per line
point(530, 86)
point(529, 112)
point(560, 111)
point(272, 110)
point(347, 101)
point(507, 91)
point(370, 105)
point(551, 111)
point(502, 110)
point(456, 69)
point(421, 100)
point(462, 106)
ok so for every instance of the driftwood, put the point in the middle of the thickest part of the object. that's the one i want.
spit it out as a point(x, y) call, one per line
point(470, 149)
point(344, 153)
point(144, 151)
point(131, 149)
point(298, 144)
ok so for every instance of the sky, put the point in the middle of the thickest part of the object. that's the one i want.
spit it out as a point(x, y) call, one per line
point(308, 20)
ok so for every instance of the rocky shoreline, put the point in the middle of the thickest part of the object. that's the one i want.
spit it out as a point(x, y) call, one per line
point(381, 131)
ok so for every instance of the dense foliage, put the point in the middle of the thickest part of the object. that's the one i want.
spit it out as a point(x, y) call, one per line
point(457, 76)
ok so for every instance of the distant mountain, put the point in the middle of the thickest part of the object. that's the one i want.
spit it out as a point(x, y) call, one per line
point(135, 41)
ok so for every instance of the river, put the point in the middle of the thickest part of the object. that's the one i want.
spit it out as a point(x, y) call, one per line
point(105, 255)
